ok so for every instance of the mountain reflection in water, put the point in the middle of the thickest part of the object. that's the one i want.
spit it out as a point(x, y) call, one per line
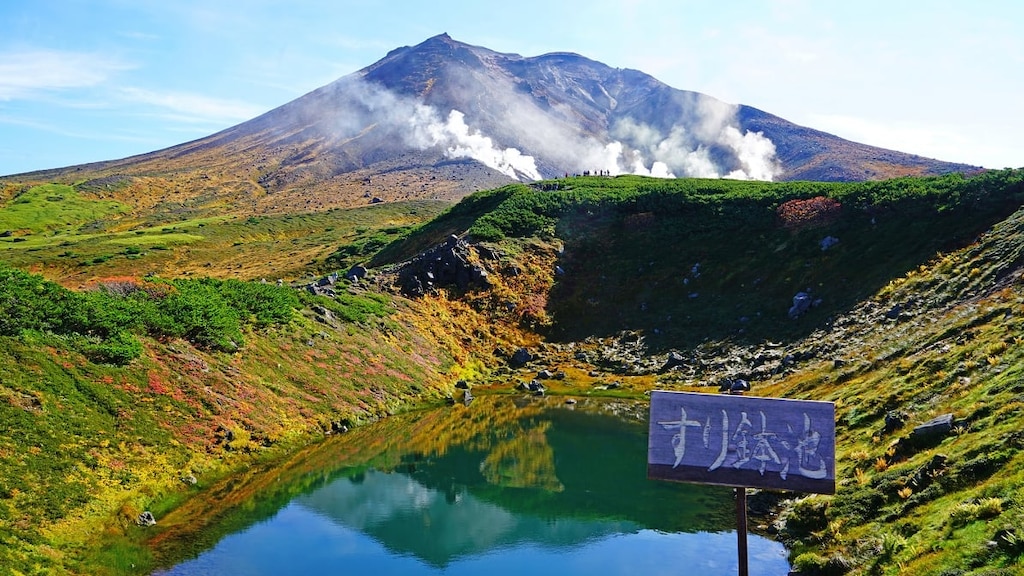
point(499, 487)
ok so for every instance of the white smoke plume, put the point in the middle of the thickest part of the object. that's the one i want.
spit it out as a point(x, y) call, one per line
point(688, 149)
point(637, 148)
point(682, 153)
point(755, 153)
point(459, 141)
point(421, 126)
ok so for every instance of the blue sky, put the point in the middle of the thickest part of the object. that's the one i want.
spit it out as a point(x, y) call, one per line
point(89, 80)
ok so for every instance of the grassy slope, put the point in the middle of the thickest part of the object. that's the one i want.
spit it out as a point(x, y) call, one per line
point(85, 447)
point(82, 237)
point(951, 507)
point(83, 441)
point(627, 247)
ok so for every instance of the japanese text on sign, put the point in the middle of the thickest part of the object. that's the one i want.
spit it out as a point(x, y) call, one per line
point(742, 441)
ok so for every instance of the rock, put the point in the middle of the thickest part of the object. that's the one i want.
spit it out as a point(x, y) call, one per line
point(763, 502)
point(146, 519)
point(570, 401)
point(594, 374)
point(894, 420)
point(522, 386)
point(674, 360)
point(329, 280)
point(445, 265)
point(521, 357)
point(467, 398)
point(356, 273)
point(936, 427)
point(535, 386)
point(189, 479)
point(321, 290)
point(734, 386)
point(488, 253)
point(559, 271)
point(325, 316)
point(894, 312)
point(828, 242)
point(801, 304)
point(545, 375)
point(558, 375)
point(923, 476)
point(462, 384)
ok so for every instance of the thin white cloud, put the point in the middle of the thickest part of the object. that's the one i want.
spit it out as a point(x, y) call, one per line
point(25, 73)
point(185, 106)
point(950, 143)
point(62, 130)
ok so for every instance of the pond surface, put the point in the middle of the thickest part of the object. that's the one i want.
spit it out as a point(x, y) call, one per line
point(503, 486)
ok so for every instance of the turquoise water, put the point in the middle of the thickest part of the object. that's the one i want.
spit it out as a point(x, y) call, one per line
point(502, 487)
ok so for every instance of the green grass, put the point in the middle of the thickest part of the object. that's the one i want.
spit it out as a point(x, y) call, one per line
point(54, 208)
point(897, 508)
point(292, 247)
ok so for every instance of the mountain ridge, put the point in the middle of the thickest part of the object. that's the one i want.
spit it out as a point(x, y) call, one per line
point(443, 118)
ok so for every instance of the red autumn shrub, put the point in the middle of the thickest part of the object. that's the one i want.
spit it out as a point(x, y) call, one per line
point(809, 213)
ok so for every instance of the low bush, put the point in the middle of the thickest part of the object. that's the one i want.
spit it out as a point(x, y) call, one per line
point(104, 323)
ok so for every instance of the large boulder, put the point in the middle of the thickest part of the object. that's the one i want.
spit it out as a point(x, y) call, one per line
point(520, 357)
point(801, 304)
point(446, 265)
point(356, 273)
point(935, 428)
point(675, 359)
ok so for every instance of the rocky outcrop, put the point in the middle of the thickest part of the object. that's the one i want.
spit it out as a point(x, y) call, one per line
point(451, 264)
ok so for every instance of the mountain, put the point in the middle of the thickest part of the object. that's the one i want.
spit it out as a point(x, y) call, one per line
point(444, 118)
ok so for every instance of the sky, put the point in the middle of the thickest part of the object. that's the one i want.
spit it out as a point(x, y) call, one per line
point(91, 80)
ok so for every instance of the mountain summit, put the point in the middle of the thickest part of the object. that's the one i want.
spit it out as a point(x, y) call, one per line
point(444, 118)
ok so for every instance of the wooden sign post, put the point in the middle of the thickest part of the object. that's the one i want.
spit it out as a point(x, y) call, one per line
point(742, 441)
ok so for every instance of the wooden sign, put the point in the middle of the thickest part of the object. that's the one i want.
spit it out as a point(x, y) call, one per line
point(742, 441)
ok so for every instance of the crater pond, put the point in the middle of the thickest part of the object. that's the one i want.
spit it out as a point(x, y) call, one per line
point(506, 485)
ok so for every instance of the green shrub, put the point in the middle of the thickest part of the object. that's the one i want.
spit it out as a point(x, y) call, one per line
point(260, 304)
point(967, 512)
point(810, 563)
point(196, 311)
point(119, 349)
point(807, 515)
point(29, 302)
point(351, 307)
point(103, 324)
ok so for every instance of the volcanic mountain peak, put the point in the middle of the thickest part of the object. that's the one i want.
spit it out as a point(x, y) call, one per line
point(443, 118)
